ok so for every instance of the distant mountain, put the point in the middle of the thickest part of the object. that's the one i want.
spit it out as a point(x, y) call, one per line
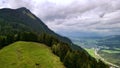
point(80, 34)
point(21, 25)
point(110, 41)
point(113, 38)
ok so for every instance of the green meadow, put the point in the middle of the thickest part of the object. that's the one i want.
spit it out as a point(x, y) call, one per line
point(28, 55)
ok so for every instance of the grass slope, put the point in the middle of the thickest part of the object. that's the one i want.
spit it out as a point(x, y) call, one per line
point(28, 55)
point(91, 52)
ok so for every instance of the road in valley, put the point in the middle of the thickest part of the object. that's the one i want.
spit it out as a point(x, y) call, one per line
point(111, 64)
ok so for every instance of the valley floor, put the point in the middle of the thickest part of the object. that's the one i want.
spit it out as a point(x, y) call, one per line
point(94, 52)
point(111, 64)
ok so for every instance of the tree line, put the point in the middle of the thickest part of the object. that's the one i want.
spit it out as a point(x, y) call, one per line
point(71, 58)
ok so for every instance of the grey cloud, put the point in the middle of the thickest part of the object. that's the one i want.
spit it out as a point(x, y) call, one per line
point(81, 15)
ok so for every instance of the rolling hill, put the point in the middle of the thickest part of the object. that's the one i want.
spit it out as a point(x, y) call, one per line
point(28, 55)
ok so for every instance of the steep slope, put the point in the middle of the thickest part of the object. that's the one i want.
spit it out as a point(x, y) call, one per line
point(28, 55)
point(23, 20)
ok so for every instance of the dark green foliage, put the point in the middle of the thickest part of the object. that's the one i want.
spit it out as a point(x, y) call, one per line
point(2, 41)
point(101, 64)
point(61, 50)
point(28, 36)
point(5, 40)
point(47, 39)
point(75, 58)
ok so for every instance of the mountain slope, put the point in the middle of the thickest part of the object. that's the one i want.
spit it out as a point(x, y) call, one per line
point(22, 19)
point(21, 25)
point(28, 55)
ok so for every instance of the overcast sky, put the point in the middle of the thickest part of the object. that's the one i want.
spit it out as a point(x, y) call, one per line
point(68, 16)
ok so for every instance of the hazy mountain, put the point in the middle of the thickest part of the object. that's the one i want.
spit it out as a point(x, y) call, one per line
point(110, 41)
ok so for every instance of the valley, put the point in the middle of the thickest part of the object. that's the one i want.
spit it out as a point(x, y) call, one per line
point(107, 54)
point(98, 55)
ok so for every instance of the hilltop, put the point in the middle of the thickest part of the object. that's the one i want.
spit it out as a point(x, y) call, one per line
point(28, 55)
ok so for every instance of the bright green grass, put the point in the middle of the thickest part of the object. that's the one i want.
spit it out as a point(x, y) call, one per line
point(117, 48)
point(28, 55)
point(111, 51)
point(91, 52)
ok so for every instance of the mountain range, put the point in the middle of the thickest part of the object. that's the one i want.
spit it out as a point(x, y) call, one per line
point(110, 41)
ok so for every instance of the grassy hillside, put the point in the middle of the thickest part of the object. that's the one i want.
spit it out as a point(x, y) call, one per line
point(28, 55)
point(91, 52)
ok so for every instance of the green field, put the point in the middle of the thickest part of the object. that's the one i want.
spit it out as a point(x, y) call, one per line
point(111, 56)
point(28, 55)
point(111, 51)
point(117, 48)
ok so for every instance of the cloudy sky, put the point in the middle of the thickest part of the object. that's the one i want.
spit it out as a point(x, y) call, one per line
point(101, 17)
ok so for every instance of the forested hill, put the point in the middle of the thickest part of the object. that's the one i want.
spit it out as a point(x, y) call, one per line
point(16, 20)
point(21, 25)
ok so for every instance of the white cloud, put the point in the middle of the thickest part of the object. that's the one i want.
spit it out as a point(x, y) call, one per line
point(99, 16)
